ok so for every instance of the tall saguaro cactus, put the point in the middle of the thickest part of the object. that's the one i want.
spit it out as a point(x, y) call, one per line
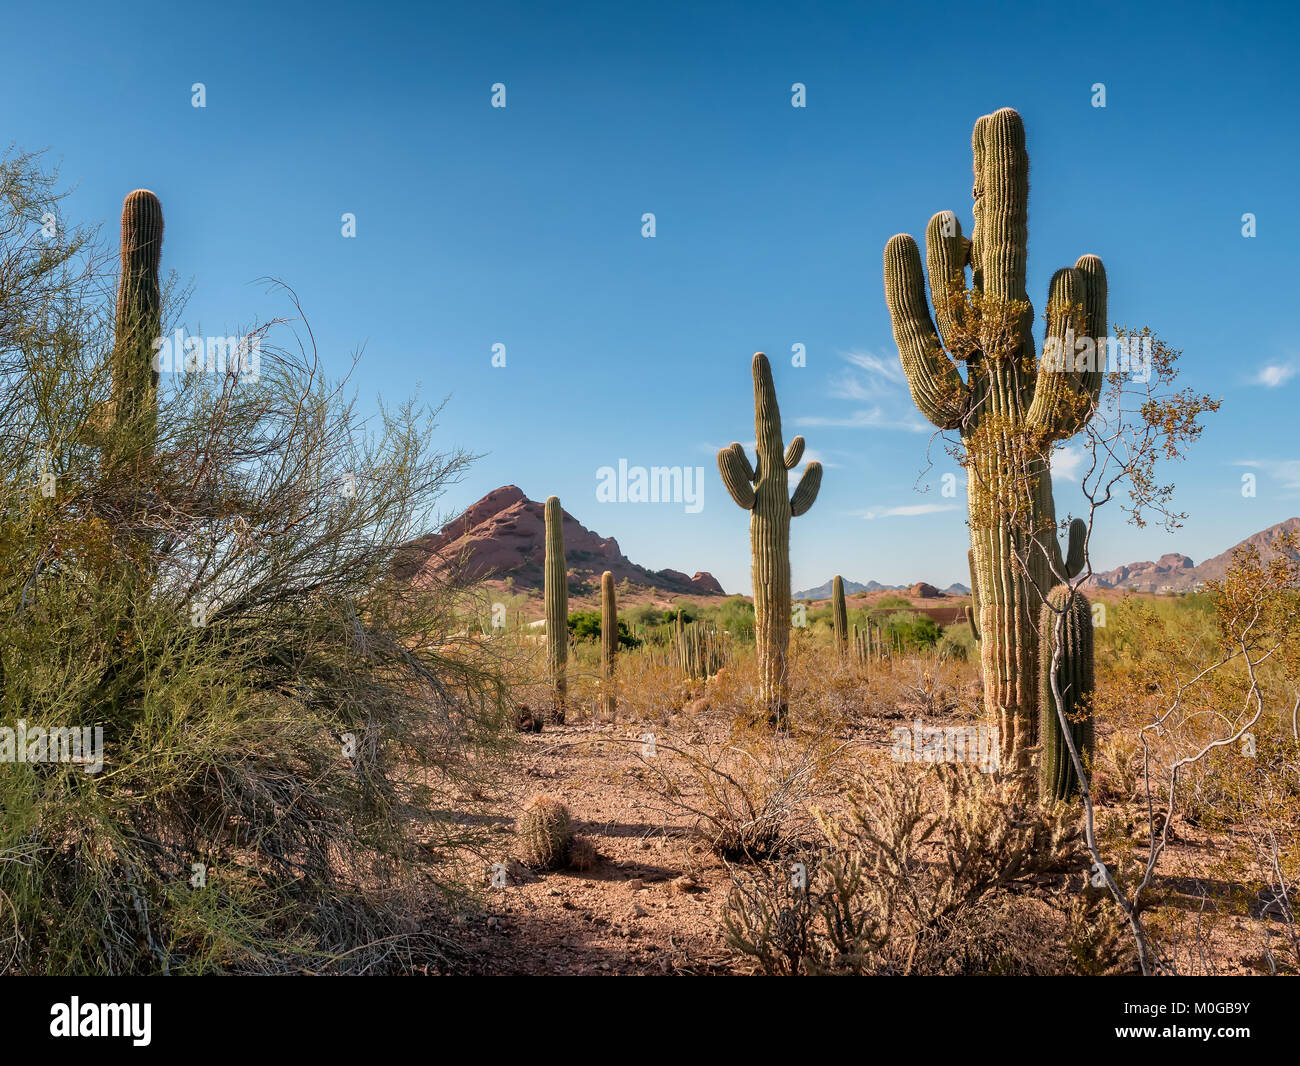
point(608, 643)
point(557, 603)
point(764, 491)
point(138, 323)
point(840, 615)
point(1010, 407)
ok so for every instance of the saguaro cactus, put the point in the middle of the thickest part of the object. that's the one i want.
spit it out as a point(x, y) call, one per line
point(1065, 621)
point(841, 616)
point(557, 603)
point(764, 491)
point(1010, 407)
point(608, 643)
point(138, 323)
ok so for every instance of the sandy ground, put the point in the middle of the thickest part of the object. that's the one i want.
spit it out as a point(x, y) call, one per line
point(653, 901)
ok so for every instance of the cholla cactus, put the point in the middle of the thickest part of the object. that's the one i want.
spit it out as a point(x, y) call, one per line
point(1010, 407)
point(138, 323)
point(545, 833)
point(608, 644)
point(764, 491)
point(840, 614)
point(1065, 621)
point(557, 603)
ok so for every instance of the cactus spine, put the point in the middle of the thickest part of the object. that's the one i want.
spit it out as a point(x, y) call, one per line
point(608, 643)
point(1065, 623)
point(764, 491)
point(138, 322)
point(1009, 408)
point(841, 616)
point(557, 603)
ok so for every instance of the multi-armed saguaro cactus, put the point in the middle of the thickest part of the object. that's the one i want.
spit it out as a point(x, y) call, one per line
point(608, 643)
point(1065, 621)
point(840, 614)
point(557, 603)
point(138, 323)
point(764, 490)
point(1009, 407)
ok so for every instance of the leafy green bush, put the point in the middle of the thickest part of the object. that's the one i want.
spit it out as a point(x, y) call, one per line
point(585, 626)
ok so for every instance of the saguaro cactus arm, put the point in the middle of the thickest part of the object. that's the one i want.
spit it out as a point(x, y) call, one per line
point(936, 386)
point(1074, 558)
point(794, 453)
point(1069, 377)
point(737, 475)
point(805, 493)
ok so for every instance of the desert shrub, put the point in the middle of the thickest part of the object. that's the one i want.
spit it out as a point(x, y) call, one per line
point(749, 794)
point(902, 884)
point(273, 698)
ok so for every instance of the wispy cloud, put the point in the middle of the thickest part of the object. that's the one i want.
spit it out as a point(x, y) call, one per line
point(877, 383)
point(907, 511)
point(1271, 375)
point(1068, 463)
point(1286, 472)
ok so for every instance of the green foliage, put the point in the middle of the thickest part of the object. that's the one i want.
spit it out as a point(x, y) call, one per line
point(585, 626)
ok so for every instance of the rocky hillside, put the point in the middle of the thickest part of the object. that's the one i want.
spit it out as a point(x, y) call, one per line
point(1177, 573)
point(503, 536)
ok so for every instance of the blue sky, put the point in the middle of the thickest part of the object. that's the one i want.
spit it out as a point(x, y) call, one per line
point(522, 226)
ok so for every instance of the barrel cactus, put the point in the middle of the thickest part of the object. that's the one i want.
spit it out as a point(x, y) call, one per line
point(557, 603)
point(1065, 623)
point(137, 324)
point(608, 643)
point(545, 833)
point(1010, 407)
point(840, 614)
point(764, 491)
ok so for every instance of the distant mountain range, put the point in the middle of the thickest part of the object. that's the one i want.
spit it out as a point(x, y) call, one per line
point(852, 588)
point(1173, 572)
point(503, 536)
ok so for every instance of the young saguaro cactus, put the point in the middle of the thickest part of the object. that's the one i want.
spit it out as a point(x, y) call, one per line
point(1010, 407)
point(764, 491)
point(840, 614)
point(138, 323)
point(557, 603)
point(608, 643)
point(1065, 622)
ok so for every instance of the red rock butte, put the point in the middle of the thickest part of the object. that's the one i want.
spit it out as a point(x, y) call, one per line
point(503, 535)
